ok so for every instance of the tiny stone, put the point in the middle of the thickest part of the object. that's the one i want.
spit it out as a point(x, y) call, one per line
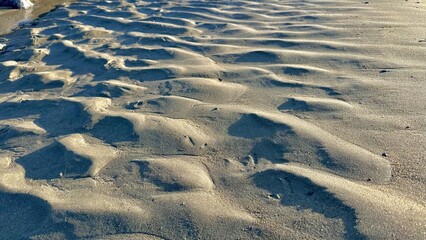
point(135, 105)
point(248, 161)
point(384, 154)
point(274, 196)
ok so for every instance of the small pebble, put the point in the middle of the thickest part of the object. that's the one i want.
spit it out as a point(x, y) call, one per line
point(384, 154)
point(274, 196)
point(135, 105)
point(248, 161)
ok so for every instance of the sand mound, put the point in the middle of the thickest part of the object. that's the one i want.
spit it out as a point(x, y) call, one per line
point(214, 120)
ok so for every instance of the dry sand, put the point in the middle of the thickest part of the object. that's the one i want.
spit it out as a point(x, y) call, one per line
point(10, 18)
point(215, 120)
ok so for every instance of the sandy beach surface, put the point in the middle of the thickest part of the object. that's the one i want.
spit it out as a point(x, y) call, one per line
point(274, 119)
point(10, 18)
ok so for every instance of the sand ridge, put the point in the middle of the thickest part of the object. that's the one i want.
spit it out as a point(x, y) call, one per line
point(213, 120)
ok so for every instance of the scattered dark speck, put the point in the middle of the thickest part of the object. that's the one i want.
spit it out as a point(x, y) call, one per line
point(384, 154)
point(253, 230)
point(384, 71)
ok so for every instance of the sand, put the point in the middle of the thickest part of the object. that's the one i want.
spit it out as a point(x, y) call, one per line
point(11, 18)
point(215, 120)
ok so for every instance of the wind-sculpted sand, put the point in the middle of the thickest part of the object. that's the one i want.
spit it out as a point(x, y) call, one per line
point(215, 120)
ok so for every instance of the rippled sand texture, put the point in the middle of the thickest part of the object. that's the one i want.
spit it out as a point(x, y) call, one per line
point(11, 18)
point(215, 120)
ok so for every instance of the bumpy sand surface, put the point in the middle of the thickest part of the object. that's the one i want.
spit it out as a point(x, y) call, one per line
point(215, 120)
point(10, 18)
